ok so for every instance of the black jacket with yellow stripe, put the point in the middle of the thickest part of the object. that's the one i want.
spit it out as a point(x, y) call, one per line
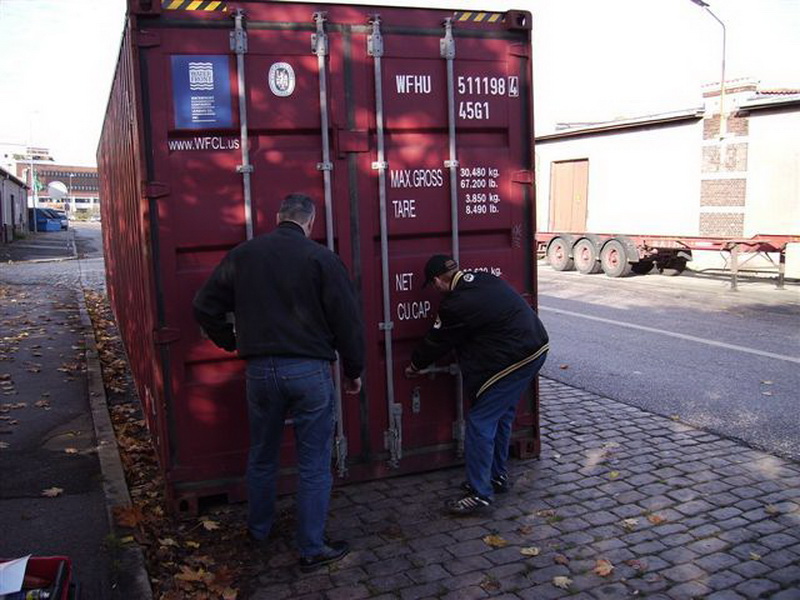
point(490, 326)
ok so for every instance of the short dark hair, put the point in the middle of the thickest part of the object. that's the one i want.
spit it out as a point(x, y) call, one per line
point(296, 207)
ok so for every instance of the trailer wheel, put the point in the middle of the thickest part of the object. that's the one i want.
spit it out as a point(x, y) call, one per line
point(584, 254)
point(558, 255)
point(643, 267)
point(614, 260)
point(673, 267)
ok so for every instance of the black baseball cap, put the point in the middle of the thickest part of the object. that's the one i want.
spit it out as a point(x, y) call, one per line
point(438, 264)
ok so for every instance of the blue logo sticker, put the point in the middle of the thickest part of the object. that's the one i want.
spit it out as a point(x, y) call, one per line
point(201, 92)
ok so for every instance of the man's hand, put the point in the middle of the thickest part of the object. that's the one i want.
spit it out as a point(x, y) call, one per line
point(351, 386)
point(411, 371)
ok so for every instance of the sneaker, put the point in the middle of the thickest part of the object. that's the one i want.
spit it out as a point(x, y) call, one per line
point(500, 484)
point(468, 505)
point(332, 552)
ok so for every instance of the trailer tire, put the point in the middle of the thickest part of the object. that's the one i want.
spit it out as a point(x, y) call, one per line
point(643, 267)
point(614, 259)
point(558, 255)
point(673, 267)
point(585, 257)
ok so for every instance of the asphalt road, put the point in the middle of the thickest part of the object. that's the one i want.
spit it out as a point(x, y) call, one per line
point(685, 347)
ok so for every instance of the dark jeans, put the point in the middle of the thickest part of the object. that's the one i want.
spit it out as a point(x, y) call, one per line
point(489, 425)
point(303, 387)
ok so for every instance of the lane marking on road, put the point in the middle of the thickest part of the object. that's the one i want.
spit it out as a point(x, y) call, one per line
point(680, 336)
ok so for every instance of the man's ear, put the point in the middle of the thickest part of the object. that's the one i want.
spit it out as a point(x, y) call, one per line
point(277, 218)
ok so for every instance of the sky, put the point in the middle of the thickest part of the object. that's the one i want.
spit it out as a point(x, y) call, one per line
point(593, 60)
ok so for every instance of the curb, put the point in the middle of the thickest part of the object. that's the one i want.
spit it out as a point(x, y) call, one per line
point(135, 582)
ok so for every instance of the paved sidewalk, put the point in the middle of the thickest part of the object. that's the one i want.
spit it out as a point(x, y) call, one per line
point(678, 512)
point(40, 246)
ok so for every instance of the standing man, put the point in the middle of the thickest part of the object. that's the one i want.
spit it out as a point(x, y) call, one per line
point(501, 344)
point(294, 307)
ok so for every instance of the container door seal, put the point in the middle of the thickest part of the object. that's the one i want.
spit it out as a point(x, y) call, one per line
point(239, 47)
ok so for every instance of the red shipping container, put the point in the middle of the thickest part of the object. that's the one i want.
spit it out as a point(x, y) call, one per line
point(412, 128)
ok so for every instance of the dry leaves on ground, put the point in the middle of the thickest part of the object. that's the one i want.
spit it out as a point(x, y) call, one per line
point(52, 492)
point(603, 567)
point(562, 582)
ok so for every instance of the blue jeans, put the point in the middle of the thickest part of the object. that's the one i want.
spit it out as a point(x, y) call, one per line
point(489, 425)
point(303, 387)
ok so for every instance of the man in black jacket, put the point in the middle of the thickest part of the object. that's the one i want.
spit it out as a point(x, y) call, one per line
point(294, 307)
point(501, 344)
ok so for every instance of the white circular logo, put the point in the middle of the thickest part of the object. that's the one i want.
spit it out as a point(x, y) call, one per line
point(281, 79)
point(469, 277)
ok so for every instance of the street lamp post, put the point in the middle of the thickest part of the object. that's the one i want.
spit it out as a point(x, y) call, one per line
point(705, 5)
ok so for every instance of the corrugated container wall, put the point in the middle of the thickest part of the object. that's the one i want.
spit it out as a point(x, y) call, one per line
point(412, 130)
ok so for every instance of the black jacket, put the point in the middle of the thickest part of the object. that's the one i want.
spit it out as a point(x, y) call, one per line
point(489, 325)
point(290, 297)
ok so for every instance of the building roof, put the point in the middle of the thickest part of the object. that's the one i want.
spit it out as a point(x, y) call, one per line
point(6, 175)
point(781, 98)
point(567, 130)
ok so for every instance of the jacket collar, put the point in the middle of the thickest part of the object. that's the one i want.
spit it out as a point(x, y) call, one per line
point(456, 278)
point(291, 226)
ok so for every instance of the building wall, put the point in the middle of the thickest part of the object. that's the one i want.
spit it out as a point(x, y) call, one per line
point(640, 180)
point(13, 211)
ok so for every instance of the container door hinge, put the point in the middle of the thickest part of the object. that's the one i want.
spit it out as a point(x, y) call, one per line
point(393, 437)
point(238, 36)
point(319, 40)
point(375, 39)
point(166, 335)
point(522, 177)
point(156, 189)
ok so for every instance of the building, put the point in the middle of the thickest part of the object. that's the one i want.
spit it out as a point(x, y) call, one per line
point(679, 174)
point(13, 207)
point(83, 190)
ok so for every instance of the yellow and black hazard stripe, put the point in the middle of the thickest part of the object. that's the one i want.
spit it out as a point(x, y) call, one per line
point(201, 5)
point(478, 17)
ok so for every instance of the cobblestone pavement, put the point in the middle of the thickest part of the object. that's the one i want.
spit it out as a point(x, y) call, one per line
point(678, 512)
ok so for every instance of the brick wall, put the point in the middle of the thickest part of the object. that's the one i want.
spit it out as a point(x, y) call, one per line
point(723, 192)
point(722, 224)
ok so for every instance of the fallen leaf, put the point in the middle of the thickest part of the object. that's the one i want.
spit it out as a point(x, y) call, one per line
point(495, 541)
point(562, 582)
point(613, 474)
point(490, 584)
point(546, 513)
point(563, 367)
point(766, 393)
point(636, 564)
point(675, 417)
point(229, 594)
point(656, 519)
point(168, 542)
point(3, 445)
point(525, 529)
point(128, 516)
point(603, 567)
point(71, 450)
point(771, 509)
point(560, 559)
point(529, 551)
point(52, 492)
point(630, 524)
point(767, 382)
point(191, 544)
point(754, 556)
point(210, 525)
point(189, 574)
